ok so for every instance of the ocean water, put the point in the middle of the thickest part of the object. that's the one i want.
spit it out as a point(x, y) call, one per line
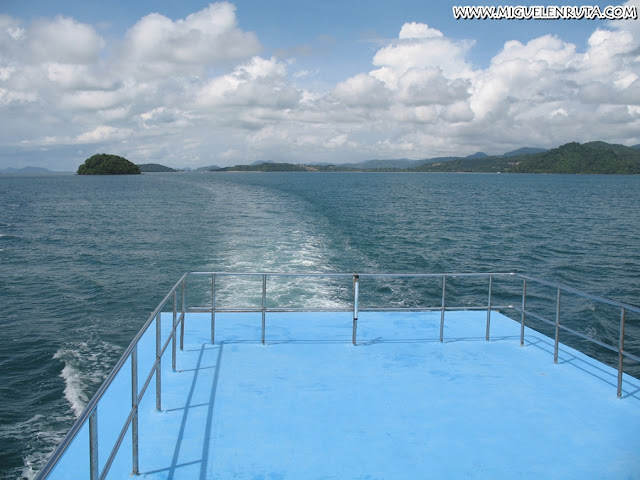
point(84, 260)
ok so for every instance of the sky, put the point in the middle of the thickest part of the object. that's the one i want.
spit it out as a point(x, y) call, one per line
point(193, 83)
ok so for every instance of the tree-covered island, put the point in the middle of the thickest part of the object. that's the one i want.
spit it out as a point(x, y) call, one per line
point(104, 164)
point(571, 158)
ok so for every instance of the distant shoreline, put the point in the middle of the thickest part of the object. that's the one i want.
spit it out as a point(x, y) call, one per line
point(592, 158)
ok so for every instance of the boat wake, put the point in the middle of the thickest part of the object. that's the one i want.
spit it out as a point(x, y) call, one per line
point(84, 371)
point(292, 238)
point(46, 433)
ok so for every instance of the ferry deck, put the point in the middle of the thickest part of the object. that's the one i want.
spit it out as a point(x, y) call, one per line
point(301, 394)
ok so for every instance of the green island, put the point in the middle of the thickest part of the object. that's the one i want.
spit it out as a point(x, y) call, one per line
point(104, 164)
point(285, 167)
point(571, 158)
point(154, 168)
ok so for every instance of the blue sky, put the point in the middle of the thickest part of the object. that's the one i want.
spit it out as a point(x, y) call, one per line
point(193, 83)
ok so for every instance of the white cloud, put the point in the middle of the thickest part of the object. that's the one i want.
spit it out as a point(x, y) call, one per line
point(420, 46)
point(414, 30)
point(102, 134)
point(536, 72)
point(158, 116)
point(93, 100)
point(549, 49)
point(256, 83)
point(61, 39)
point(11, 34)
point(210, 37)
point(6, 72)
point(546, 82)
point(630, 26)
point(74, 77)
point(428, 86)
point(363, 90)
point(8, 97)
point(457, 112)
point(195, 90)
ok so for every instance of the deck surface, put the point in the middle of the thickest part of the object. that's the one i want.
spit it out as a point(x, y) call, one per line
point(399, 405)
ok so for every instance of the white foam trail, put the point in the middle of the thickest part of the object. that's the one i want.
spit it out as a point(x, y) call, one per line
point(45, 433)
point(84, 370)
point(73, 389)
point(292, 239)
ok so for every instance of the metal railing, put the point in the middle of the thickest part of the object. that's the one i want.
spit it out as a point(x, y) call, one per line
point(624, 308)
point(356, 306)
point(176, 298)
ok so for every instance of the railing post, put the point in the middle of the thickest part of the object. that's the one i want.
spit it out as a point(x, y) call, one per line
point(134, 407)
point(173, 338)
point(356, 294)
point(555, 348)
point(264, 305)
point(182, 314)
point(444, 297)
point(524, 300)
point(158, 363)
point(621, 350)
point(94, 472)
point(213, 308)
point(489, 306)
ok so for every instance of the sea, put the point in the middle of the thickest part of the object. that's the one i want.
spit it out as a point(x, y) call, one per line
point(84, 260)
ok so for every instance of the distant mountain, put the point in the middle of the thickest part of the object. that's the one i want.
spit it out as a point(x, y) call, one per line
point(26, 171)
point(460, 164)
point(589, 158)
point(523, 151)
point(264, 167)
point(391, 164)
point(437, 159)
point(401, 163)
point(206, 169)
point(155, 167)
point(615, 147)
point(477, 155)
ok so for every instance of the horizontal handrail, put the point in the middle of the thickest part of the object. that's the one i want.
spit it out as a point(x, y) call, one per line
point(341, 309)
point(93, 403)
point(575, 291)
point(547, 283)
point(179, 289)
point(566, 329)
point(358, 277)
point(350, 275)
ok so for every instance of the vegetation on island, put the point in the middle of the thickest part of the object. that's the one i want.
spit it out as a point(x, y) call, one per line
point(104, 164)
point(154, 168)
point(571, 158)
point(264, 167)
point(287, 167)
point(588, 158)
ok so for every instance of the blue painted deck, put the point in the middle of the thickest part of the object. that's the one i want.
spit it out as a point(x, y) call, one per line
point(399, 405)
